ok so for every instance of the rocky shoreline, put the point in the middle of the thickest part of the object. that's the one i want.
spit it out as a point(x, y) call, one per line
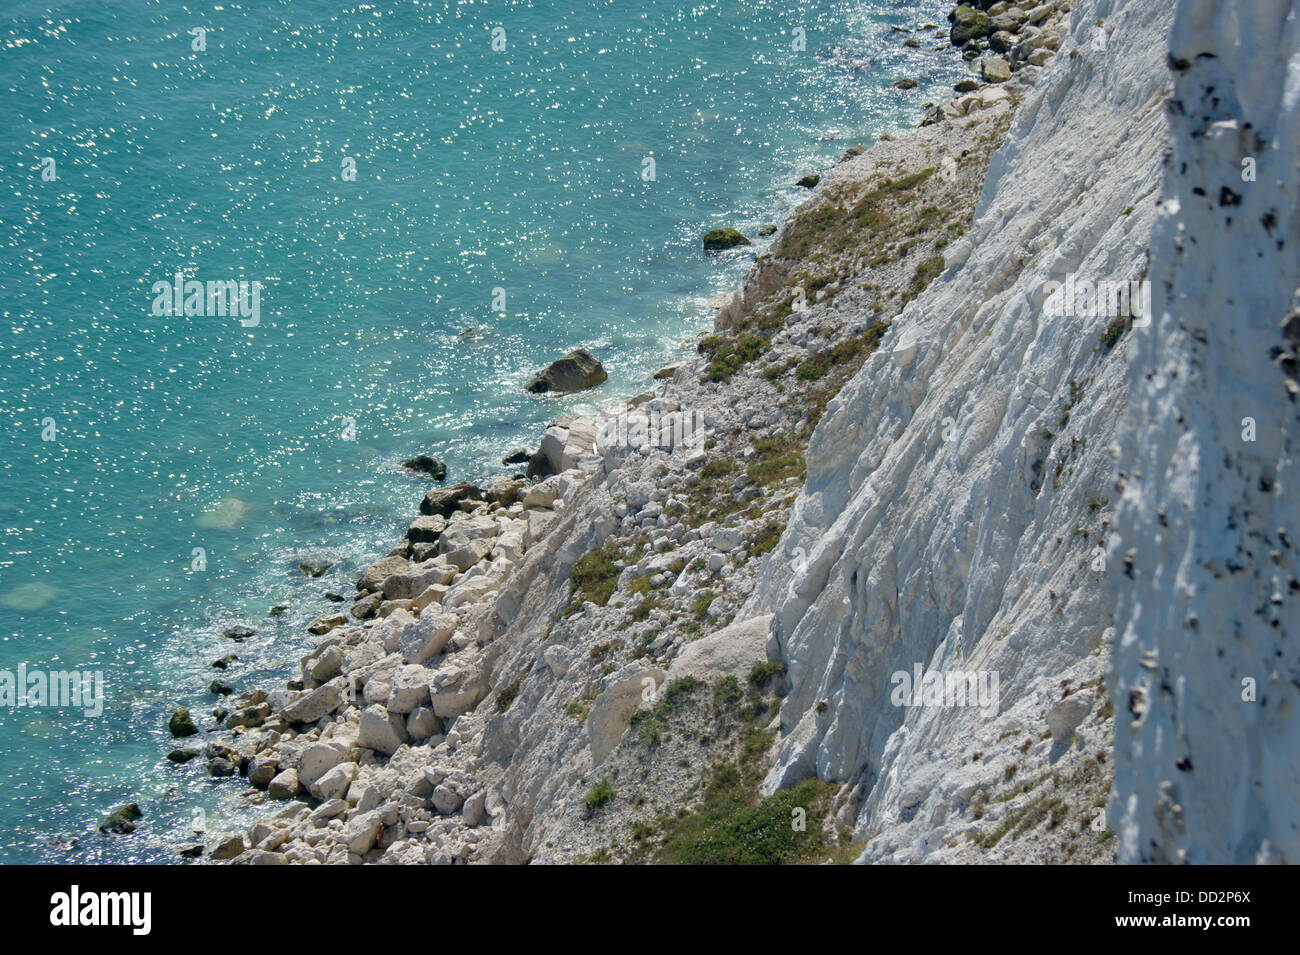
point(556, 668)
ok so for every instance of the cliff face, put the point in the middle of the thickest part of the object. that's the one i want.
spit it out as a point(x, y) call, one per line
point(960, 486)
point(959, 492)
point(1207, 745)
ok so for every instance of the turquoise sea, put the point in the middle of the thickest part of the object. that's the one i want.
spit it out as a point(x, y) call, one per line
point(161, 476)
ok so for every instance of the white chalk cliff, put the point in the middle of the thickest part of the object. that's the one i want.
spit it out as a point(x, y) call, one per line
point(952, 510)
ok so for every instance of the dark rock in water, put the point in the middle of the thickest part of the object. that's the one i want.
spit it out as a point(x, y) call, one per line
point(190, 850)
point(906, 83)
point(966, 86)
point(182, 756)
point(517, 456)
point(716, 240)
point(767, 228)
point(238, 633)
point(279, 610)
point(427, 465)
point(332, 597)
point(220, 766)
point(180, 725)
point(809, 181)
point(446, 500)
point(401, 550)
point(220, 713)
point(219, 688)
point(315, 568)
point(224, 662)
point(539, 465)
point(121, 821)
point(968, 24)
point(577, 370)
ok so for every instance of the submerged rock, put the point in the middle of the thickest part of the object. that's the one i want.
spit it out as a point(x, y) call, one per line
point(181, 725)
point(315, 567)
point(121, 821)
point(716, 240)
point(577, 370)
point(427, 465)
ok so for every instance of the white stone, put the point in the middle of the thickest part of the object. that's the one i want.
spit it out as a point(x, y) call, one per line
point(410, 689)
point(425, 638)
point(361, 832)
point(732, 651)
point(334, 784)
point(381, 731)
point(316, 760)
